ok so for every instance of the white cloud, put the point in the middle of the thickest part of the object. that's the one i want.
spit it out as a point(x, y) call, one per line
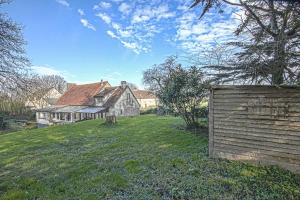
point(103, 4)
point(63, 2)
point(47, 70)
point(86, 24)
point(137, 32)
point(125, 8)
point(147, 13)
point(111, 34)
point(132, 45)
point(140, 18)
point(163, 12)
point(138, 22)
point(183, 7)
point(116, 26)
point(189, 25)
point(81, 12)
point(44, 70)
point(125, 33)
point(104, 17)
point(96, 7)
point(191, 32)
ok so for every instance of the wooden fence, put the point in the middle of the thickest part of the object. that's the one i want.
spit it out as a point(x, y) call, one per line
point(256, 123)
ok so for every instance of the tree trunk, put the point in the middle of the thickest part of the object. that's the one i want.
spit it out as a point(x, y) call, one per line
point(277, 76)
point(279, 62)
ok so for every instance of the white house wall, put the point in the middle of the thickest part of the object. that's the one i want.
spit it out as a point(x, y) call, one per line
point(148, 103)
point(123, 107)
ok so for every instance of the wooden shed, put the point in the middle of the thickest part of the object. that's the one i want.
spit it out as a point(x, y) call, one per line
point(256, 123)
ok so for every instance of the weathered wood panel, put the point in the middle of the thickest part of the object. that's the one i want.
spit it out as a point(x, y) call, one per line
point(256, 123)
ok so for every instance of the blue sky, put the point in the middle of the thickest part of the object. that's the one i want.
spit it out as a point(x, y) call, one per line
point(114, 40)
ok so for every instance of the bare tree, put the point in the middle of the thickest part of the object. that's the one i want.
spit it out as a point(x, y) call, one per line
point(54, 81)
point(270, 52)
point(132, 86)
point(41, 92)
point(14, 64)
point(212, 60)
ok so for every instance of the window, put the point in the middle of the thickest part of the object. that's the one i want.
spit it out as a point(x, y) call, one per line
point(42, 116)
point(99, 100)
point(128, 96)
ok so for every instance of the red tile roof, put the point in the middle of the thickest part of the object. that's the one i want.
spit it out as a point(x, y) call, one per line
point(116, 94)
point(144, 94)
point(81, 94)
point(106, 91)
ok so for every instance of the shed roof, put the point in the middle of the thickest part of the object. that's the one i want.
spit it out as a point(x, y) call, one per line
point(254, 86)
point(70, 109)
point(95, 109)
point(49, 109)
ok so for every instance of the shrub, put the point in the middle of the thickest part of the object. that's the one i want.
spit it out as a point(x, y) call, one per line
point(149, 111)
point(179, 89)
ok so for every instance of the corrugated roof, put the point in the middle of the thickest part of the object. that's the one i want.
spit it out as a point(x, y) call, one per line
point(49, 109)
point(81, 94)
point(144, 94)
point(70, 109)
point(91, 110)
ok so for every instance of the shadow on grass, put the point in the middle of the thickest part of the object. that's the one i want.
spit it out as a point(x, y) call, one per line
point(202, 130)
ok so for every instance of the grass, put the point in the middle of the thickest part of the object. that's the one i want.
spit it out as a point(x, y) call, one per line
point(145, 157)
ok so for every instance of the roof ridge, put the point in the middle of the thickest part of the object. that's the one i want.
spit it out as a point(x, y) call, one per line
point(91, 83)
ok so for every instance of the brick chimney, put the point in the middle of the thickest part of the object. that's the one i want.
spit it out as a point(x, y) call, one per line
point(123, 84)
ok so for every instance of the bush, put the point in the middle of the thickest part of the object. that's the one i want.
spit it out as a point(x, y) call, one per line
point(180, 89)
point(202, 112)
point(3, 124)
point(164, 111)
point(149, 111)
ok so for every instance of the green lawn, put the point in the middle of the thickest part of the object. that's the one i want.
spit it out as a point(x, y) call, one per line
point(145, 157)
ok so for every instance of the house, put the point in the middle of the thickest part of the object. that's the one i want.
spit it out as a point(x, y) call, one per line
point(90, 101)
point(44, 98)
point(146, 99)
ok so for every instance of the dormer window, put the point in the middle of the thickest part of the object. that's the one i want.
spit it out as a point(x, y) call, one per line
point(99, 101)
